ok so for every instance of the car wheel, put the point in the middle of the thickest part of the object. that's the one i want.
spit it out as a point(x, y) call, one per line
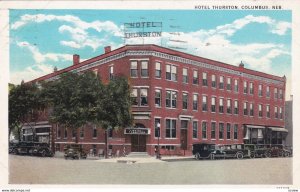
point(239, 156)
point(252, 154)
point(212, 156)
point(43, 153)
point(15, 152)
point(268, 154)
point(287, 154)
point(197, 156)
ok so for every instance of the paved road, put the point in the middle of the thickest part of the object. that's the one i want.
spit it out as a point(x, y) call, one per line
point(37, 170)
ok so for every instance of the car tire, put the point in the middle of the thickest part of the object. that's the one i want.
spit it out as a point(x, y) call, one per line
point(212, 156)
point(197, 156)
point(287, 154)
point(15, 152)
point(252, 154)
point(268, 154)
point(239, 155)
point(43, 153)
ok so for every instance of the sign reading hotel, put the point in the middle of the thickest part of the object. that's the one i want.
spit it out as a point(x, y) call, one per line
point(137, 131)
point(142, 29)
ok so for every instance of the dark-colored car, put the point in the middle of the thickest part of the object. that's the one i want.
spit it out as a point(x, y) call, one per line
point(238, 151)
point(207, 151)
point(42, 149)
point(278, 151)
point(74, 151)
point(31, 148)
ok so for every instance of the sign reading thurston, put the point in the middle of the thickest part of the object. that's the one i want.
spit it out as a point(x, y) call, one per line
point(137, 131)
point(142, 29)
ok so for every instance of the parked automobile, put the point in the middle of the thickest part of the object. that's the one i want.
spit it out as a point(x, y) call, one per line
point(74, 151)
point(207, 151)
point(238, 151)
point(42, 149)
point(278, 151)
point(31, 148)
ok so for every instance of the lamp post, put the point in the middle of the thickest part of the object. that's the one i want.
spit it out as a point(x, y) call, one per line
point(158, 136)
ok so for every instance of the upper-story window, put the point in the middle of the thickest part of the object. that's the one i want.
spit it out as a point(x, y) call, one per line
point(204, 79)
point(229, 106)
point(111, 72)
point(280, 113)
point(245, 108)
point(195, 77)
point(204, 103)
point(95, 134)
point(66, 133)
point(228, 130)
point(184, 100)
point(228, 83)
point(251, 88)
point(268, 91)
point(204, 130)
point(144, 97)
point(185, 75)
point(213, 104)
point(171, 99)
point(133, 69)
point(235, 133)
point(280, 94)
point(260, 111)
point(221, 83)
point(213, 81)
point(142, 100)
point(260, 90)
point(81, 132)
point(134, 96)
point(171, 72)
point(158, 70)
point(251, 109)
point(276, 112)
point(221, 105)
point(245, 87)
point(158, 98)
point(213, 130)
point(275, 93)
point(195, 129)
point(195, 102)
point(144, 69)
point(268, 111)
point(221, 130)
point(236, 107)
point(170, 128)
point(236, 85)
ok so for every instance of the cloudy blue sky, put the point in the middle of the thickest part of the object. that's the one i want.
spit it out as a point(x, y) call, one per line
point(42, 39)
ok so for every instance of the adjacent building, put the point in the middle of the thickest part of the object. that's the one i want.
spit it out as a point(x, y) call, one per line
point(180, 99)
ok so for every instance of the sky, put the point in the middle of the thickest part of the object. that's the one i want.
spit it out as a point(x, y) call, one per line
point(43, 39)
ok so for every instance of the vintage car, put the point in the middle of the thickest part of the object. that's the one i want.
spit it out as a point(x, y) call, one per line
point(207, 151)
point(42, 149)
point(238, 151)
point(278, 151)
point(74, 151)
point(31, 148)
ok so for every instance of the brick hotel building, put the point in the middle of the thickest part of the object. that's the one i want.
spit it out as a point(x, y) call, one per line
point(188, 99)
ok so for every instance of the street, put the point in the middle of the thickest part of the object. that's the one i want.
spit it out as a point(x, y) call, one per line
point(37, 170)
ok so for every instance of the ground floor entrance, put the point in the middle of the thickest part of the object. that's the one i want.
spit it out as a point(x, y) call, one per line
point(138, 143)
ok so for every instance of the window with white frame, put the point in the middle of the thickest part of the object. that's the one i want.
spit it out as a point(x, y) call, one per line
point(229, 106)
point(184, 100)
point(245, 87)
point(280, 113)
point(260, 90)
point(228, 130)
point(221, 105)
point(221, 82)
point(204, 130)
point(170, 128)
point(144, 97)
point(213, 81)
point(213, 104)
point(236, 107)
point(157, 69)
point(195, 129)
point(221, 130)
point(157, 127)
point(144, 69)
point(204, 103)
point(228, 83)
point(251, 109)
point(195, 77)
point(235, 131)
point(268, 111)
point(251, 88)
point(245, 108)
point(134, 96)
point(236, 85)
point(111, 72)
point(174, 73)
point(280, 94)
point(185, 75)
point(171, 99)
point(133, 69)
point(276, 112)
point(260, 111)
point(213, 130)
point(268, 91)
point(275, 93)
point(157, 97)
point(204, 79)
point(195, 101)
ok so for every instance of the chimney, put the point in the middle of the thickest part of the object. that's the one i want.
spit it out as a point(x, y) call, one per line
point(107, 49)
point(76, 59)
point(241, 64)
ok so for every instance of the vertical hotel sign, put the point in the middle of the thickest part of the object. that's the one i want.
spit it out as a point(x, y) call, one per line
point(142, 29)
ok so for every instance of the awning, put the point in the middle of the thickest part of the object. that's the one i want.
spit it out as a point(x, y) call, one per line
point(255, 127)
point(281, 129)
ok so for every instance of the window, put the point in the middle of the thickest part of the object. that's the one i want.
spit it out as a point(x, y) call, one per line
point(228, 136)
point(134, 97)
point(280, 113)
point(195, 129)
point(81, 132)
point(110, 132)
point(94, 132)
point(204, 130)
point(221, 130)
point(170, 128)
point(235, 131)
point(171, 99)
point(213, 130)
point(268, 111)
point(251, 109)
point(158, 70)
point(280, 94)
point(245, 87)
point(195, 77)
point(185, 75)
point(221, 83)
point(158, 98)
point(268, 91)
point(228, 83)
point(184, 101)
point(168, 72)
point(111, 72)
point(157, 127)
point(229, 106)
point(144, 97)
point(66, 133)
point(260, 92)
point(195, 102)
point(236, 107)
point(251, 88)
point(213, 104)
point(236, 85)
point(275, 93)
point(204, 79)
point(276, 112)
point(221, 106)
point(204, 103)
point(58, 132)
point(213, 81)
point(245, 108)
point(260, 112)
point(171, 72)
point(144, 69)
point(133, 69)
